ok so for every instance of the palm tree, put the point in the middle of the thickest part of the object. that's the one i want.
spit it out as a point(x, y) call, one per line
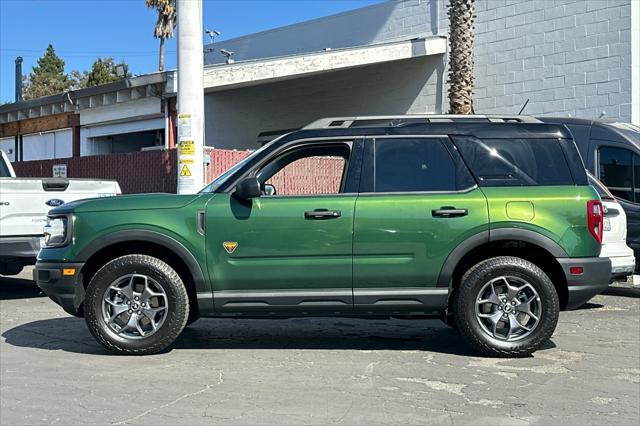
point(461, 82)
point(165, 24)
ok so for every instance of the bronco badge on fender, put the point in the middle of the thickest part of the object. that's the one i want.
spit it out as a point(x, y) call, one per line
point(230, 246)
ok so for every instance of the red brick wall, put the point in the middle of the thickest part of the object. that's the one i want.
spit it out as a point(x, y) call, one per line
point(155, 171)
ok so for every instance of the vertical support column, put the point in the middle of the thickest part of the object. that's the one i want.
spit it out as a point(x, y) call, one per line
point(635, 62)
point(75, 135)
point(17, 152)
point(190, 168)
point(171, 123)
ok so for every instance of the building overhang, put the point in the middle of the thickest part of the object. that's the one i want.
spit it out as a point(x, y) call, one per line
point(255, 72)
point(125, 91)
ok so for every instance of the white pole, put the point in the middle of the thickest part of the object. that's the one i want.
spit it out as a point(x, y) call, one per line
point(190, 97)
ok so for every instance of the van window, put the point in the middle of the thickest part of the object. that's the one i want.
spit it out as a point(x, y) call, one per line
point(515, 162)
point(620, 172)
point(413, 165)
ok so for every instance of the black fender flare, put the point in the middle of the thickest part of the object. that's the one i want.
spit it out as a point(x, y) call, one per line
point(516, 234)
point(202, 287)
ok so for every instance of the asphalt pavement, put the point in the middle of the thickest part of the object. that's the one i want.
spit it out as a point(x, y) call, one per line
point(317, 371)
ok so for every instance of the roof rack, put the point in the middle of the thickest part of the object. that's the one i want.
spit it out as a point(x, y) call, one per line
point(400, 120)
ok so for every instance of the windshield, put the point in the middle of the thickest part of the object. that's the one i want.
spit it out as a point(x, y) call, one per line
point(4, 169)
point(231, 171)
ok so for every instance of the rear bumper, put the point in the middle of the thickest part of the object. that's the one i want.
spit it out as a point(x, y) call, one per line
point(622, 266)
point(594, 279)
point(66, 290)
point(20, 249)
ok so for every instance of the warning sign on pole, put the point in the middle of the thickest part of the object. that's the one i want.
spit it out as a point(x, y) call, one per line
point(185, 171)
point(184, 125)
point(186, 147)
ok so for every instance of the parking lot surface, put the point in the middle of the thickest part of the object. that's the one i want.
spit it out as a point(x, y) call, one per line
point(317, 371)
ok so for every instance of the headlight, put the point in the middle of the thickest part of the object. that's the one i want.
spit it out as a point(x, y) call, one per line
point(56, 231)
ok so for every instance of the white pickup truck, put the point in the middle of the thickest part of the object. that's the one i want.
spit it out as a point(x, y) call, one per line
point(24, 203)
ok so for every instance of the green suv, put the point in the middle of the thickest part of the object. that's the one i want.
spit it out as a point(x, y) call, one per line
point(490, 226)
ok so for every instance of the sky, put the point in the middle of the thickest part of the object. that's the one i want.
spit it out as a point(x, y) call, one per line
point(83, 30)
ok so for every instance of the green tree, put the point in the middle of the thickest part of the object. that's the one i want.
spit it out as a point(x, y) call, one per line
point(103, 71)
point(461, 81)
point(165, 24)
point(47, 77)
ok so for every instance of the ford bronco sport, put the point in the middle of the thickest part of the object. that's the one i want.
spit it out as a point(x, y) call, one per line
point(488, 224)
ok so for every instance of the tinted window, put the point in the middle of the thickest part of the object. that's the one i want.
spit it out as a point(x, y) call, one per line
point(410, 165)
point(620, 172)
point(314, 175)
point(4, 170)
point(516, 162)
point(307, 170)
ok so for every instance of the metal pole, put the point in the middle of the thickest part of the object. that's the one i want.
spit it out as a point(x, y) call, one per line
point(18, 78)
point(190, 97)
point(17, 151)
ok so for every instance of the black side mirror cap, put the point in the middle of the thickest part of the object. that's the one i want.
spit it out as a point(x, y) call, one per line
point(248, 188)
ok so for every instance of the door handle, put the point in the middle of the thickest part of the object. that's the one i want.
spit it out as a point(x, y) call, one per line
point(322, 214)
point(449, 212)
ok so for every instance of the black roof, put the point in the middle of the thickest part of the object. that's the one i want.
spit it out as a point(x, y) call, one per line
point(482, 130)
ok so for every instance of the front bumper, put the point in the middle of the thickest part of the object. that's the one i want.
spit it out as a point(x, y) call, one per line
point(594, 279)
point(23, 249)
point(66, 290)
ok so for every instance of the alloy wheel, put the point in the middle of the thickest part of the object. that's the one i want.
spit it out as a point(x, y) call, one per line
point(508, 308)
point(134, 306)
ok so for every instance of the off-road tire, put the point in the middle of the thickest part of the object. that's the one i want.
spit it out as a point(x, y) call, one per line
point(164, 275)
point(469, 288)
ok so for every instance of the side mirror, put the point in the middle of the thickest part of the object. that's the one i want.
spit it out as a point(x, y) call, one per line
point(269, 189)
point(248, 188)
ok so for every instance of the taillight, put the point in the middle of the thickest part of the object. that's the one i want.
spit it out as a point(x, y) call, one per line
point(595, 219)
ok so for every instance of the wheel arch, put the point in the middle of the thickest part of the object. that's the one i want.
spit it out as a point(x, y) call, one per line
point(523, 243)
point(155, 244)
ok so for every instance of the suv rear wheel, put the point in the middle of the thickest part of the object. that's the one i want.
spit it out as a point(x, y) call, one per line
point(506, 306)
point(136, 304)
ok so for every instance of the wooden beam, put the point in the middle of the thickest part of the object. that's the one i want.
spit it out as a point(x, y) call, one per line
point(39, 124)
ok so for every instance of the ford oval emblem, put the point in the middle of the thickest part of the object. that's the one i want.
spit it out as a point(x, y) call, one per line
point(55, 202)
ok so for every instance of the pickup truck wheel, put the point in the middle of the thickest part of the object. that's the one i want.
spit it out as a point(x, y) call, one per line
point(506, 307)
point(136, 304)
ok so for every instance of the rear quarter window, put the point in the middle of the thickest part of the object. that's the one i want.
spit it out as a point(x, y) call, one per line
point(516, 162)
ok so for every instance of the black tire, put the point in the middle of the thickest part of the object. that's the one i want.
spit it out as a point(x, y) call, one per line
point(467, 293)
point(177, 303)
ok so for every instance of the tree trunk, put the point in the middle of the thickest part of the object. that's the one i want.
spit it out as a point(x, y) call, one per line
point(461, 82)
point(161, 64)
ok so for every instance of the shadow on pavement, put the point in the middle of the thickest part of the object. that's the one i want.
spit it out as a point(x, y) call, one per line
point(622, 291)
point(18, 288)
point(71, 335)
point(589, 305)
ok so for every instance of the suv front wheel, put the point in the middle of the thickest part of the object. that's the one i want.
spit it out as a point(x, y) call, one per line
point(506, 306)
point(136, 304)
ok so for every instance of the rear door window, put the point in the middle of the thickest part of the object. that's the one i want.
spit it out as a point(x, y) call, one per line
point(416, 165)
point(516, 162)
